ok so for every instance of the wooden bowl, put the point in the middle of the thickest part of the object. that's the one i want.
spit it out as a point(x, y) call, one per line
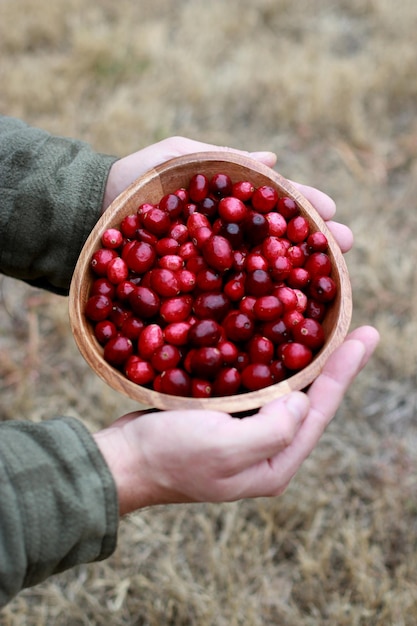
point(150, 187)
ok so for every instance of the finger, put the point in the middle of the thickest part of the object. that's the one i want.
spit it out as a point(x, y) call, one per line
point(327, 392)
point(255, 439)
point(324, 204)
point(342, 234)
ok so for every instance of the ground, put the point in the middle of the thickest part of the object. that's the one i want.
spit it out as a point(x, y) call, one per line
point(330, 87)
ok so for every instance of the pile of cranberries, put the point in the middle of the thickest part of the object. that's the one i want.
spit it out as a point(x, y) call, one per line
point(220, 288)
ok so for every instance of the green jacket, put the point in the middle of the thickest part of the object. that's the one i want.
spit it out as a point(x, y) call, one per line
point(58, 501)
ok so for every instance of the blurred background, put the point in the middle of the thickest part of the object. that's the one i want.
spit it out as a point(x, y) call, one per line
point(330, 87)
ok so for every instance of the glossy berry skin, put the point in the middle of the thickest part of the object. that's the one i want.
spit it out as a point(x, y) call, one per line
point(175, 382)
point(264, 199)
point(98, 308)
point(256, 376)
point(117, 350)
point(309, 332)
point(139, 371)
point(296, 356)
point(218, 289)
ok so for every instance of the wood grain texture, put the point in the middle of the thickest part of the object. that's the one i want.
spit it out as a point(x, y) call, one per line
point(150, 188)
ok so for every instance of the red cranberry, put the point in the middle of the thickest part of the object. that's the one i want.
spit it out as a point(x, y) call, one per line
point(103, 287)
point(164, 282)
point(129, 225)
point(176, 333)
point(227, 382)
point(260, 349)
point(176, 309)
point(318, 264)
point(175, 382)
point(232, 209)
point(117, 270)
point(298, 229)
point(221, 185)
point(243, 190)
point(117, 350)
point(256, 376)
point(150, 339)
point(267, 308)
point(258, 283)
point(206, 362)
point(218, 253)
point(264, 199)
point(287, 207)
point(98, 308)
point(296, 356)
point(112, 238)
point(201, 388)
point(198, 187)
point(144, 302)
point(212, 305)
point(141, 257)
point(205, 332)
point(309, 332)
point(172, 205)
point(323, 288)
point(165, 357)
point(317, 242)
point(104, 331)
point(139, 371)
point(100, 260)
point(238, 326)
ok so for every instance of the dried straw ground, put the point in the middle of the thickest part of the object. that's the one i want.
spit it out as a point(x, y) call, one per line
point(330, 86)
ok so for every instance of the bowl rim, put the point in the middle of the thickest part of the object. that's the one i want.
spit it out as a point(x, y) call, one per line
point(89, 347)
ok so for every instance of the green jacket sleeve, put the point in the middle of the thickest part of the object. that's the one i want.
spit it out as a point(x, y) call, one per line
point(51, 191)
point(58, 503)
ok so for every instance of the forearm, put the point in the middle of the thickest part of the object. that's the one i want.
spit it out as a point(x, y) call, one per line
point(58, 502)
point(51, 194)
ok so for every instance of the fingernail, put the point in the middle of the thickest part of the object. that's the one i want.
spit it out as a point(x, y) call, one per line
point(297, 403)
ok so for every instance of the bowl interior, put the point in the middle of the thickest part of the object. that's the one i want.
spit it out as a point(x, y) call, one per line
point(150, 187)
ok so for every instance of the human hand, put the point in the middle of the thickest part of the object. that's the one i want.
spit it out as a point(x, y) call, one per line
point(127, 169)
point(210, 456)
point(124, 171)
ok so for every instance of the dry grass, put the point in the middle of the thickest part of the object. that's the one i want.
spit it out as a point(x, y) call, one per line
point(330, 86)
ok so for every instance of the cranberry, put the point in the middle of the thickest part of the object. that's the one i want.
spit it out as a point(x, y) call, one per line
point(104, 331)
point(281, 269)
point(232, 209)
point(150, 339)
point(218, 253)
point(98, 308)
point(323, 288)
point(132, 327)
point(318, 264)
point(205, 332)
point(100, 260)
point(276, 223)
point(243, 190)
point(288, 297)
point(212, 305)
point(186, 280)
point(165, 357)
point(260, 349)
point(278, 371)
point(124, 289)
point(198, 187)
point(228, 350)
point(172, 205)
point(164, 282)
point(238, 326)
point(277, 331)
point(258, 283)
point(298, 278)
point(117, 270)
point(139, 371)
point(201, 388)
point(103, 287)
point(227, 382)
point(256, 227)
point(206, 362)
point(317, 242)
point(208, 207)
point(267, 308)
point(117, 350)
point(141, 257)
point(309, 332)
point(298, 229)
point(145, 235)
point(173, 262)
point(264, 199)
point(315, 309)
point(166, 245)
point(296, 356)
point(287, 207)
point(221, 185)
point(144, 302)
point(176, 309)
point(176, 333)
point(129, 225)
point(256, 376)
point(175, 382)
point(112, 238)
